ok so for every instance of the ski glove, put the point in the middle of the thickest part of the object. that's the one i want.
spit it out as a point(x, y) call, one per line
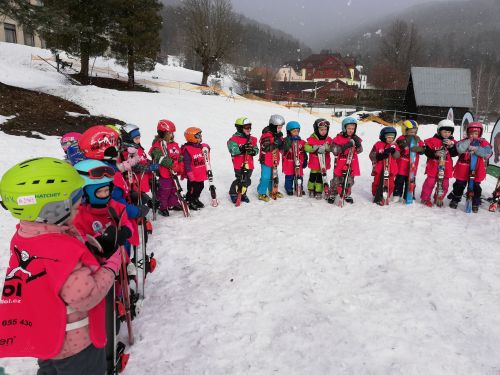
point(278, 142)
point(390, 150)
point(144, 210)
point(114, 262)
point(153, 167)
point(321, 149)
point(348, 145)
point(357, 141)
point(295, 138)
point(110, 240)
point(381, 155)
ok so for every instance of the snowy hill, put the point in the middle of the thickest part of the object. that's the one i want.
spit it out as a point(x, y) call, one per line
point(293, 286)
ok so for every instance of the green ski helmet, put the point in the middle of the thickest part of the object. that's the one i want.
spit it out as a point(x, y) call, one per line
point(41, 190)
point(241, 122)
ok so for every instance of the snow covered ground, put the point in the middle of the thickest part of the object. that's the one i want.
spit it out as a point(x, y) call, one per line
point(293, 286)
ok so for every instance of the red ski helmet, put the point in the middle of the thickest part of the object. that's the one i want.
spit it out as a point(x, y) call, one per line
point(166, 126)
point(99, 142)
point(476, 125)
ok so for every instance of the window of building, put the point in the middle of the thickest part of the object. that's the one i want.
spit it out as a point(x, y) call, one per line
point(29, 38)
point(10, 33)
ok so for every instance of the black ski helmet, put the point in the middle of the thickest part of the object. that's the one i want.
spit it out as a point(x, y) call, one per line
point(320, 123)
point(386, 131)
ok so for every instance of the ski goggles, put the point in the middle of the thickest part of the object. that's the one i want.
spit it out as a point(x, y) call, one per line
point(198, 135)
point(76, 196)
point(323, 124)
point(247, 127)
point(99, 172)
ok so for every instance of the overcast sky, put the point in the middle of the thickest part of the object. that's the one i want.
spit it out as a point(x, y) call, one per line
point(315, 22)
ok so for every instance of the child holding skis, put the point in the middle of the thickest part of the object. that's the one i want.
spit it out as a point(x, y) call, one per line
point(194, 166)
point(473, 144)
point(384, 155)
point(243, 147)
point(63, 312)
point(318, 146)
point(141, 175)
point(294, 159)
point(167, 153)
point(441, 145)
point(271, 143)
point(408, 142)
point(345, 143)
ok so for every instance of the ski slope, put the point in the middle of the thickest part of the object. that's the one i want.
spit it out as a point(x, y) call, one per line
point(294, 286)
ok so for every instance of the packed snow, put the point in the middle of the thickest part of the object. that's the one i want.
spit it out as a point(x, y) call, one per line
point(294, 286)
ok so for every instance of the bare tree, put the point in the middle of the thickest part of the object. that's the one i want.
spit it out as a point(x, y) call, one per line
point(401, 46)
point(211, 27)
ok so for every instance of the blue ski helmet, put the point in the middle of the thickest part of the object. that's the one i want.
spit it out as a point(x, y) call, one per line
point(386, 131)
point(96, 175)
point(292, 125)
point(349, 121)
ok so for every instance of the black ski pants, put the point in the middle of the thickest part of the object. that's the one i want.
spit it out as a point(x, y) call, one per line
point(459, 188)
point(247, 182)
point(194, 189)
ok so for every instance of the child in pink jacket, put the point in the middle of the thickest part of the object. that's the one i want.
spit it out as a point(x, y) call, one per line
point(441, 142)
point(473, 144)
point(54, 289)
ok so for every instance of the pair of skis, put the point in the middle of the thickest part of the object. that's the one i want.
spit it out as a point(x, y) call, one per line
point(241, 188)
point(439, 194)
point(210, 176)
point(472, 178)
point(178, 188)
point(412, 173)
point(346, 176)
point(297, 178)
point(274, 175)
point(324, 176)
point(382, 192)
point(495, 198)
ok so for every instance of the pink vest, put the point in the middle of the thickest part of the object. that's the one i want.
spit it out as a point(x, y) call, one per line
point(404, 159)
point(431, 168)
point(461, 170)
point(379, 147)
point(238, 159)
point(33, 312)
point(174, 152)
point(266, 158)
point(288, 162)
point(340, 162)
point(313, 156)
point(198, 166)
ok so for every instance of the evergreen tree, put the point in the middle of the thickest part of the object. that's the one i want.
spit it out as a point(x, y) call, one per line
point(135, 34)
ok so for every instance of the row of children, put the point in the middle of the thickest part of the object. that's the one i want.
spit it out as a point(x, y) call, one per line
point(391, 158)
point(60, 305)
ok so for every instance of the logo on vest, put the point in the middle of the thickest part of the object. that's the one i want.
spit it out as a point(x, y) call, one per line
point(24, 260)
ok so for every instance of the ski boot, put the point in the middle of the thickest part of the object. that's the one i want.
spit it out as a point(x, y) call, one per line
point(427, 203)
point(164, 212)
point(279, 195)
point(475, 209)
point(193, 206)
point(244, 198)
point(234, 198)
point(198, 203)
point(175, 208)
point(453, 204)
point(395, 199)
point(289, 192)
point(349, 199)
point(264, 197)
point(311, 193)
point(331, 200)
point(318, 195)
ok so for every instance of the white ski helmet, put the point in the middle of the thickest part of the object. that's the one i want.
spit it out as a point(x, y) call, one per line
point(446, 125)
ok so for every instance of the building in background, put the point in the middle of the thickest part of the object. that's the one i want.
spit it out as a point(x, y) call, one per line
point(12, 32)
